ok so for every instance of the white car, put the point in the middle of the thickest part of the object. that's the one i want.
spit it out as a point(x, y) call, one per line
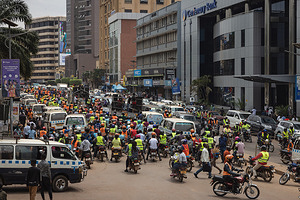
point(236, 116)
point(287, 124)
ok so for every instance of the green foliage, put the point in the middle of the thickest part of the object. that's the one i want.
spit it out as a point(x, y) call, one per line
point(58, 81)
point(282, 110)
point(23, 44)
point(75, 81)
point(65, 80)
point(201, 87)
point(51, 82)
point(240, 104)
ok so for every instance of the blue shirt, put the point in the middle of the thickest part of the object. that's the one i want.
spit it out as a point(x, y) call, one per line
point(223, 142)
point(31, 134)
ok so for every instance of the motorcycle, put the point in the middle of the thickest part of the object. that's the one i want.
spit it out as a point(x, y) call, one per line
point(134, 165)
point(153, 154)
point(269, 145)
point(221, 187)
point(230, 139)
point(190, 163)
point(165, 151)
point(180, 174)
point(291, 170)
point(285, 156)
point(239, 160)
point(266, 172)
point(116, 154)
point(101, 153)
point(88, 160)
point(247, 135)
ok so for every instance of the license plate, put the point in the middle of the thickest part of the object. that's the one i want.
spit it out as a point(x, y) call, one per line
point(59, 124)
point(116, 154)
point(136, 164)
point(241, 159)
point(273, 170)
point(183, 172)
point(102, 152)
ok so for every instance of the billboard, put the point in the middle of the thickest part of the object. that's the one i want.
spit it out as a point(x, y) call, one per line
point(62, 41)
point(10, 77)
point(137, 72)
point(175, 86)
point(62, 58)
point(148, 82)
point(297, 88)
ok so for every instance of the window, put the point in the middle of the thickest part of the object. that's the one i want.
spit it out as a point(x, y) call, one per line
point(224, 67)
point(58, 116)
point(159, 1)
point(30, 152)
point(74, 120)
point(143, 11)
point(144, 1)
point(62, 153)
point(128, 10)
point(230, 114)
point(223, 42)
point(242, 38)
point(128, 1)
point(6, 152)
point(242, 66)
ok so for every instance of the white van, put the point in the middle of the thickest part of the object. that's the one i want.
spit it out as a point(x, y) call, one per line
point(173, 109)
point(55, 119)
point(30, 102)
point(155, 117)
point(37, 110)
point(15, 157)
point(236, 116)
point(78, 120)
point(52, 108)
point(178, 124)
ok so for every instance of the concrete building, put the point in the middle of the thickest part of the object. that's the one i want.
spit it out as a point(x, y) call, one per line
point(83, 36)
point(109, 7)
point(48, 61)
point(158, 51)
point(242, 45)
point(122, 46)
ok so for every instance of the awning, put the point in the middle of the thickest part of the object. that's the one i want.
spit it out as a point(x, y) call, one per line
point(282, 78)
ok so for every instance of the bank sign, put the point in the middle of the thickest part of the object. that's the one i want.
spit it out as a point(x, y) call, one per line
point(197, 11)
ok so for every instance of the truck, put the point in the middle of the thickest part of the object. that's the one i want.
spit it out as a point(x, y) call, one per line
point(62, 86)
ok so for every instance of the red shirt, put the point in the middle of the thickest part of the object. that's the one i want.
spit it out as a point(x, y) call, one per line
point(257, 157)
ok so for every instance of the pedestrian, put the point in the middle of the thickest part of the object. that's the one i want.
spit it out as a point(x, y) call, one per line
point(205, 162)
point(46, 176)
point(31, 132)
point(222, 144)
point(215, 156)
point(3, 195)
point(33, 179)
point(26, 130)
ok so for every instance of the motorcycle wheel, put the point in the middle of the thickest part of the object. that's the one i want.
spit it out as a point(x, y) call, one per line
point(252, 192)
point(165, 154)
point(249, 171)
point(189, 166)
point(268, 175)
point(180, 178)
point(284, 178)
point(285, 159)
point(271, 148)
point(101, 158)
point(250, 139)
point(170, 163)
point(219, 186)
point(135, 171)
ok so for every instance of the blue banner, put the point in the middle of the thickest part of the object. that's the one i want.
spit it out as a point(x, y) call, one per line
point(148, 82)
point(168, 83)
point(10, 77)
point(175, 86)
point(297, 88)
point(137, 72)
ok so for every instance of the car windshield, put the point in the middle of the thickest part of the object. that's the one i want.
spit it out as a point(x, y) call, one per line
point(184, 126)
point(75, 121)
point(268, 120)
point(189, 117)
point(244, 116)
point(215, 113)
point(297, 126)
point(178, 109)
point(58, 116)
point(38, 108)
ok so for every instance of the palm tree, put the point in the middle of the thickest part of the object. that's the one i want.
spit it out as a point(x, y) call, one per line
point(23, 43)
point(201, 87)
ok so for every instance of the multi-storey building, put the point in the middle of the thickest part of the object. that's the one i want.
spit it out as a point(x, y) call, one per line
point(109, 7)
point(49, 59)
point(83, 36)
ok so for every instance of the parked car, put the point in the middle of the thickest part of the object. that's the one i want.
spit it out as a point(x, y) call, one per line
point(236, 116)
point(287, 124)
point(257, 122)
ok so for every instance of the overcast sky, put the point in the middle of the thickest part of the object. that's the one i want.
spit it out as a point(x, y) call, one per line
point(42, 8)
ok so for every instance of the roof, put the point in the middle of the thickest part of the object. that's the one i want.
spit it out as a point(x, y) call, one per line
point(29, 142)
point(76, 115)
point(240, 111)
point(177, 120)
point(151, 113)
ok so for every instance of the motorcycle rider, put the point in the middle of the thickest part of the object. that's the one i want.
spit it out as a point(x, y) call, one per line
point(153, 144)
point(100, 141)
point(262, 159)
point(86, 148)
point(291, 131)
point(116, 144)
point(180, 162)
point(285, 137)
point(229, 174)
point(140, 145)
point(132, 151)
point(237, 128)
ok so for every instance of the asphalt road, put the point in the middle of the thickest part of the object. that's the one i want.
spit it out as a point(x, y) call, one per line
point(108, 180)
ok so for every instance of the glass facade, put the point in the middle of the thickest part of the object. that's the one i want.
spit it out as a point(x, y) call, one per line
point(114, 29)
point(224, 67)
point(224, 96)
point(223, 42)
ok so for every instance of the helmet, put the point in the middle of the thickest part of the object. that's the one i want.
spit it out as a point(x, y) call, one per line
point(66, 131)
point(123, 127)
point(173, 130)
point(236, 138)
point(192, 131)
point(44, 128)
point(155, 126)
point(228, 158)
point(265, 130)
point(113, 126)
point(153, 133)
point(102, 124)
point(263, 148)
point(131, 125)
point(166, 110)
point(236, 123)
point(184, 141)
point(138, 136)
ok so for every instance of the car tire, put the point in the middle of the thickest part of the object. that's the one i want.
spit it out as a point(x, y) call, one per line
point(60, 183)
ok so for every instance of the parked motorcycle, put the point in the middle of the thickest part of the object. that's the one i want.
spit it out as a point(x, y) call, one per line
point(291, 171)
point(222, 187)
point(116, 153)
point(101, 153)
point(266, 172)
point(180, 174)
point(134, 165)
point(285, 156)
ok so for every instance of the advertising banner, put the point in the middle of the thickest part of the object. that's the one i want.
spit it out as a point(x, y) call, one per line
point(148, 82)
point(137, 72)
point(10, 77)
point(175, 86)
point(15, 113)
point(62, 58)
point(297, 88)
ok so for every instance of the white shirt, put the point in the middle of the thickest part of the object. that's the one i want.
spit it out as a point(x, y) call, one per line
point(216, 140)
point(85, 145)
point(204, 155)
point(182, 158)
point(153, 143)
point(253, 111)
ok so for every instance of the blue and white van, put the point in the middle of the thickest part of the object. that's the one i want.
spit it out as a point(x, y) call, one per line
point(183, 125)
point(55, 119)
point(15, 156)
point(78, 120)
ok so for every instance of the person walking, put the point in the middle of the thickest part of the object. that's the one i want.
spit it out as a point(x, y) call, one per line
point(33, 179)
point(46, 177)
point(205, 162)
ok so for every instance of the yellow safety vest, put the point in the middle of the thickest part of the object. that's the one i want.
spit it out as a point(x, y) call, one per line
point(286, 134)
point(116, 143)
point(210, 142)
point(139, 144)
point(163, 139)
point(264, 158)
point(129, 150)
point(173, 134)
point(78, 137)
point(100, 140)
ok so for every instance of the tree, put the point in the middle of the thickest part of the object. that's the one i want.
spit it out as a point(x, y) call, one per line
point(97, 77)
point(75, 81)
point(241, 104)
point(201, 87)
point(24, 44)
point(65, 80)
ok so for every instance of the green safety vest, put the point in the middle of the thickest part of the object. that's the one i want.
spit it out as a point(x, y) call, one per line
point(263, 135)
point(62, 140)
point(286, 134)
point(292, 131)
point(264, 158)
point(139, 144)
point(78, 137)
point(210, 142)
point(113, 142)
point(173, 134)
point(113, 130)
point(163, 139)
point(92, 118)
point(129, 150)
point(100, 141)
point(206, 133)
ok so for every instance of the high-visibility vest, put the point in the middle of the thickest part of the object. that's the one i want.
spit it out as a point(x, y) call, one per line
point(163, 139)
point(78, 137)
point(42, 133)
point(173, 134)
point(263, 135)
point(100, 141)
point(129, 150)
point(113, 130)
point(210, 142)
point(226, 173)
point(139, 144)
point(75, 145)
point(206, 133)
point(113, 142)
point(186, 149)
point(292, 131)
point(285, 134)
point(264, 158)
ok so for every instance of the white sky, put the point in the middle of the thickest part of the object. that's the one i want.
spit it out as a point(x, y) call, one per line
point(42, 8)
